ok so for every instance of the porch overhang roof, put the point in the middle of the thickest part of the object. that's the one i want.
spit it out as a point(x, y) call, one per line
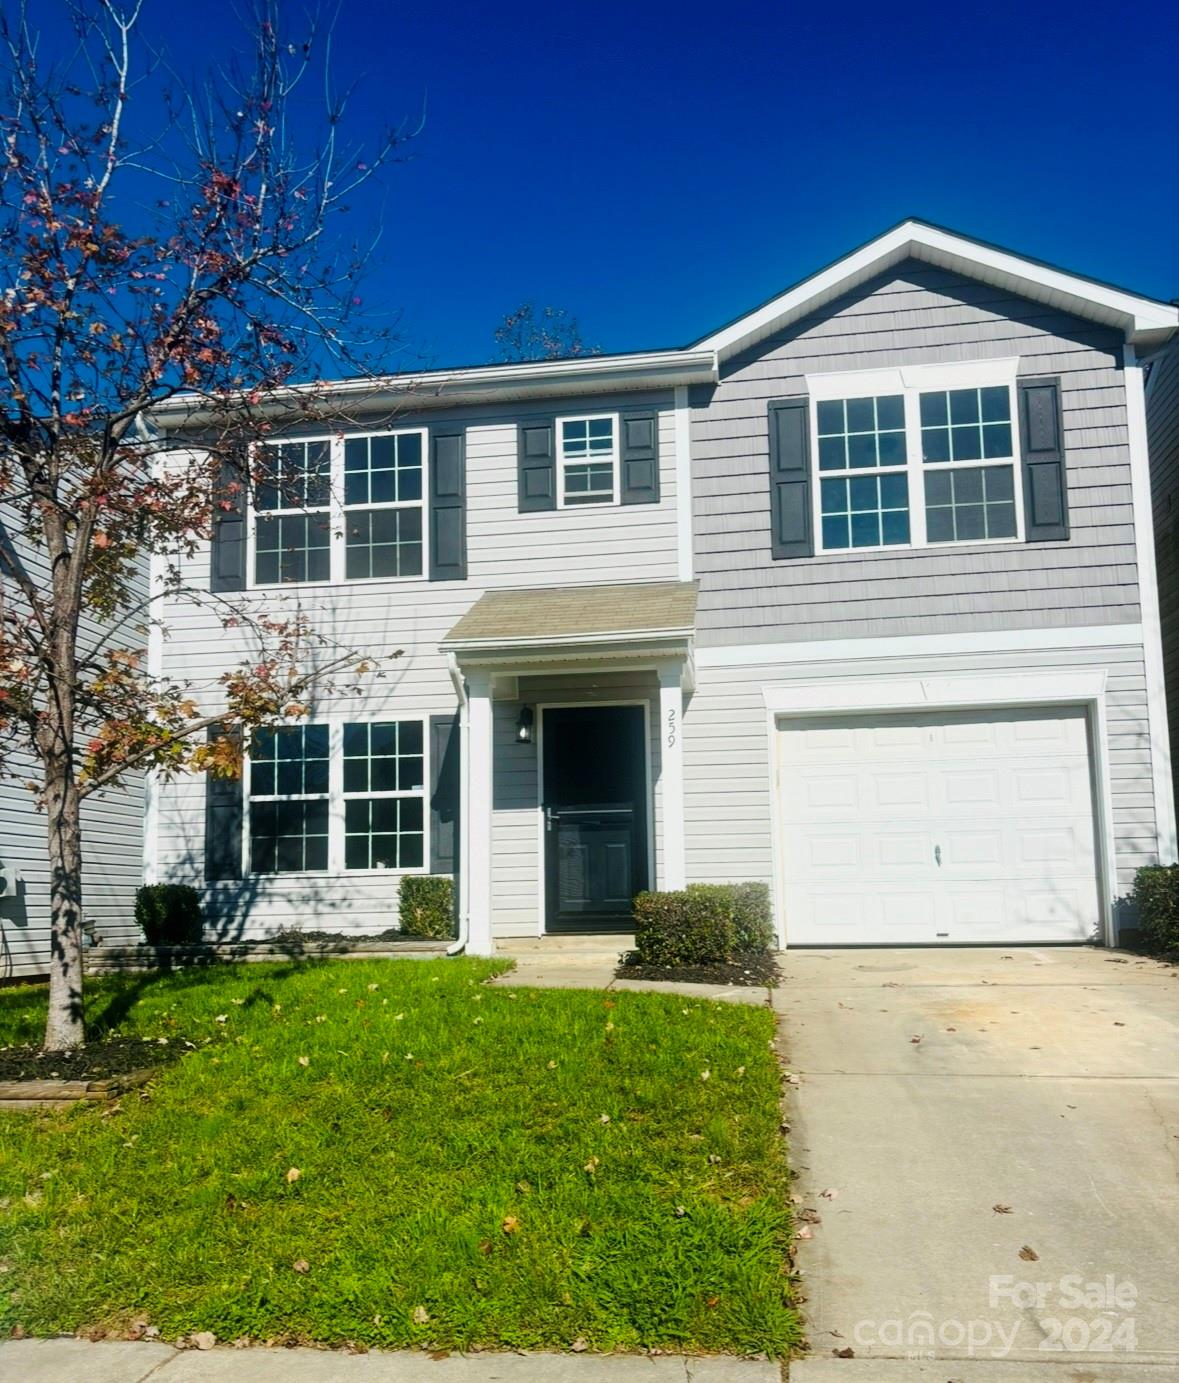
point(624, 620)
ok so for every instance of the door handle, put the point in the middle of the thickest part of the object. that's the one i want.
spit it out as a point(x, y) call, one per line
point(549, 818)
point(937, 854)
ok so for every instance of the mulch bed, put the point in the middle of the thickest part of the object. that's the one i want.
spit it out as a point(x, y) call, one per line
point(112, 1056)
point(753, 968)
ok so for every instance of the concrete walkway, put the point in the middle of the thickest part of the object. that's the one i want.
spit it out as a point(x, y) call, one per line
point(72, 1361)
point(589, 962)
point(982, 1134)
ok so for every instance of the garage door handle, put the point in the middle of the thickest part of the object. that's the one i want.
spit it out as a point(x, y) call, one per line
point(937, 853)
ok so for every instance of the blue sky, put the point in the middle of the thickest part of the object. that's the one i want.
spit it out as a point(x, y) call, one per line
point(657, 169)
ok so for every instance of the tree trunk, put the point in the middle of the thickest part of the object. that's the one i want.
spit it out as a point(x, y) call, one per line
point(64, 1027)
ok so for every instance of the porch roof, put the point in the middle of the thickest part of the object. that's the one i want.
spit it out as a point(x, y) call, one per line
point(558, 617)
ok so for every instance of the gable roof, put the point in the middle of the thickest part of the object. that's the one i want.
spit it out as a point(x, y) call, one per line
point(1145, 322)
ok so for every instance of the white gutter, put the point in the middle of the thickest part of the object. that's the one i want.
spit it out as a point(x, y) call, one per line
point(464, 908)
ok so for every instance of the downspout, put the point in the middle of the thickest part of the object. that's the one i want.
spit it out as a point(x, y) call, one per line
point(464, 908)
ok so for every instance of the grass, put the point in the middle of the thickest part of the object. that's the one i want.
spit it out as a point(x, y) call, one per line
point(512, 1168)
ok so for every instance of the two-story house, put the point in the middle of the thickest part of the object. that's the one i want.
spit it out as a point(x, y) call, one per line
point(854, 595)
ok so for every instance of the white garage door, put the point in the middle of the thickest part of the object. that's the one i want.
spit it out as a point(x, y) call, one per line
point(938, 827)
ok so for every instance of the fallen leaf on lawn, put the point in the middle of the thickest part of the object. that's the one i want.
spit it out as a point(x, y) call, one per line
point(510, 1225)
point(304, 1061)
point(740, 1070)
point(830, 1193)
point(592, 1165)
point(609, 1027)
point(293, 1174)
point(437, 1354)
point(795, 1200)
point(791, 1079)
point(704, 1075)
point(301, 1265)
point(204, 1339)
point(1002, 1209)
point(809, 1216)
point(680, 1212)
point(552, 1066)
point(420, 1315)
point(603, 1118)
point(579, 1346)
point(1029, 1254)
point(524, 1187)
point(714, 1159)
point(221, 1018)
point(485, 1247)
point(371, 987)
point(805, 1233)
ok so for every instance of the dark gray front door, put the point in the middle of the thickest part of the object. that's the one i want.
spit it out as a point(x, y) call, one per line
point(595, 809)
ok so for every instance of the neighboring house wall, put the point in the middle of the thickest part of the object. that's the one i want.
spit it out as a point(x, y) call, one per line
point(112, 839)
point(915, 315)
point(505, 548)
point(1162, 419)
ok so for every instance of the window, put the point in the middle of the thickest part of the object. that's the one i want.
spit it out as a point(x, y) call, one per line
point(341, 796)
point(293, 530)
point(384, 795)
point(289, 799)
point(968, 503)
point(867, 505)
point(915, 457)
point(383, 505)
point(343, 509)
point(588, 450)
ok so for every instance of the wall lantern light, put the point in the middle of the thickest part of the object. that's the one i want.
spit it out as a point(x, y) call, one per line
point(524, 725)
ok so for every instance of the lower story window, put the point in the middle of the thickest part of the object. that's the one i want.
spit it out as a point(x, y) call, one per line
point(384, 833)
point(322, 796)
point(288, 837)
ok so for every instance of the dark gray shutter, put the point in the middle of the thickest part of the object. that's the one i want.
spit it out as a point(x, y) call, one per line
point(640, 459)
point(227, 560)
point(444, 794)
point(791, 531)
point(1045, 485)
point(223, 818)
point(538, 466)
point(448, 506)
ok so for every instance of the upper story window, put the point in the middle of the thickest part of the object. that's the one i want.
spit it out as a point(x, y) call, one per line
point(334, 509)
point(338, 795)
point(587, 451)
point(920, 457)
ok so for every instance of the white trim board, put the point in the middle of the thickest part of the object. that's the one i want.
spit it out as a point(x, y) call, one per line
point(921, 645)
point(1148, 598)
point(683, 483)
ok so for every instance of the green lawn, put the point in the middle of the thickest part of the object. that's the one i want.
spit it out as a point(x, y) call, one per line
point(507, 1167)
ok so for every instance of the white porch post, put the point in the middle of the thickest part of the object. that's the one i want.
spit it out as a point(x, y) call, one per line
point(671, 775)
point(477, 849)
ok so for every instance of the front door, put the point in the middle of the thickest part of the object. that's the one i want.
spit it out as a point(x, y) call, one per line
point(595, 816)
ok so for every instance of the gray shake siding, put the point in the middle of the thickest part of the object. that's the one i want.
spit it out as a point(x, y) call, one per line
point(112, 840)
point(914, 315)
point(1162, 420)
point(505, 548)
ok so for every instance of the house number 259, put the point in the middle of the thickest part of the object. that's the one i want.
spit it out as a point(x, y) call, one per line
point(671, 729)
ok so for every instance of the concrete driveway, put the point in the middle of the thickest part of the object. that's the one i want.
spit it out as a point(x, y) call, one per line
point(997, 1132)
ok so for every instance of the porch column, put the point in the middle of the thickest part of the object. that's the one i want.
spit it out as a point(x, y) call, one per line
point(671, 775)
point(477, 746)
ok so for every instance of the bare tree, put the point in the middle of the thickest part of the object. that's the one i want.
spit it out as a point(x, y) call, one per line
point(199, 257)
point(540, 333)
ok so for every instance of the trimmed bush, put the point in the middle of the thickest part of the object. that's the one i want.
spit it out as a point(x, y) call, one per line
point(427, 905)
point(1156, 896)
point(753, 922)
point(170, 914)
point(693, 927)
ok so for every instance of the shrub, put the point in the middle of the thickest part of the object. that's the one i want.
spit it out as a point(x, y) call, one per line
point(427, 905)
point(752, 914)
point(1156, 896)
point(694, 927)
point(170, 914)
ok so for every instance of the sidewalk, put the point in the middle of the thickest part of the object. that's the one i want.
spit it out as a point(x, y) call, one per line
point(68, 1360)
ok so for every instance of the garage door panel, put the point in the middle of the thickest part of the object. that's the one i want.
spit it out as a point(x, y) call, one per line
point(928, 826)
